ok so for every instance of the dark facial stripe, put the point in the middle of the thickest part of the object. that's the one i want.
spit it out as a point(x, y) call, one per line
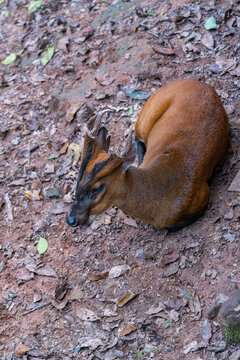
point(85, 162)
point(98, 167)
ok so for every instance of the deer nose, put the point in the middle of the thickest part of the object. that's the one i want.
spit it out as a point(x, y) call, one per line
point(72, 221)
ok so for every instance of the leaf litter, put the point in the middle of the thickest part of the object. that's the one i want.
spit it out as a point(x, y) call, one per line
point(69, 78)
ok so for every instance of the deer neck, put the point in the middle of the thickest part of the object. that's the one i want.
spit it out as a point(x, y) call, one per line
point(142, 194)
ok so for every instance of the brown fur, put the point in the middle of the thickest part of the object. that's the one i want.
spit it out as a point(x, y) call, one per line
point(185, 129)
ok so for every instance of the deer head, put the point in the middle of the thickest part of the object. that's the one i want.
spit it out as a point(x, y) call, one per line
point(97, 179)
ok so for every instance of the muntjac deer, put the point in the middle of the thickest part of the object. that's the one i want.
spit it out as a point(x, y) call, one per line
point(181, 136)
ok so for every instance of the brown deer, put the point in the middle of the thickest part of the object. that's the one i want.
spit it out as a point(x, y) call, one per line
point(181, 136)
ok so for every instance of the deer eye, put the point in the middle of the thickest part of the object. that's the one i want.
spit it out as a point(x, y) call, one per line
point(92, 195)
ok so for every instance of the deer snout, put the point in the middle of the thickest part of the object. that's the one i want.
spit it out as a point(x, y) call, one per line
point(72, 221)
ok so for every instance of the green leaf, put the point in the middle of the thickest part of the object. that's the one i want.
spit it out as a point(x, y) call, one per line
point(139, 95)
point(9, 59)
point(47, 55)
point(139, 355)
point(20, 52)
point(53, 193)
point(53, 156)
point(152, 14)
point(167, 323)
point(6, 13)
point(1, 2)
point(42, 245)
point(34, 5)
point(210, 23)
point(76, 294)
point(130, 111)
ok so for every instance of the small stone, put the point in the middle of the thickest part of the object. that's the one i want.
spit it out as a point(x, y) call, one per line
point(217, 346)
point(119, 270)
point(221, 298)
point(206, 331)
point(49, 169)
point(229, 237)
point(230, 109)
point(235, 355)
point(193, 346)
point(68, 198)
point(171, 269)
point(174, 315)
point(235, 185)
point(235, 122)
point(121, 96)
point(229, 316)
point(101, 96)
point(33, 175)
point(107, 220)
point(16, 141)
point(88, 31)
point(208, 272)
point(88, 94)
point(24, 153)
point(183, 262)
point(203, 276)
point(37, 297)
point(95, 225)
point(38, 225)
point(229, 214)
point(214, 273)
point(214, 69)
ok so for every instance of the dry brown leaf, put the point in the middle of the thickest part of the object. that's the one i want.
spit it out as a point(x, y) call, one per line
point(60, 305)
point(63, 149)
point(164, 51)
point(104, 80)
point(235, 185)
point(76, 294)
point(127, 330)
point(130, 222)
point(45, 270)
point(125, 299)
point(21, 349)
point(62, 43)
point(33, 194)
point(61, 290)
point(72, 111)
point(86, 314)
point(207, 40)
point(170, 257)
point(76, 152)
point(96, 275)
point(154, 310)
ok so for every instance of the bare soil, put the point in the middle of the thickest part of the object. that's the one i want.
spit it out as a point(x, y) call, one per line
point(61, 304)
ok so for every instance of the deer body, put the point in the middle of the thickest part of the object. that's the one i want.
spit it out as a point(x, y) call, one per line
point(185, 130)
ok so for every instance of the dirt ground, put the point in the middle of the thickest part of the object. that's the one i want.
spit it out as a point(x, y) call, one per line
point(65, 303)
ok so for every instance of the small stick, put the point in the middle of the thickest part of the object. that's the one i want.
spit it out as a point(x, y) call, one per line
point(9, 207)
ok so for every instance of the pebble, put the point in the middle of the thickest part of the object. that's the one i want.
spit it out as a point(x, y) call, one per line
point(95, 225)
point(171, 269)
point(235, 355)
point(229, 214)
point(16, 141)
point(229, 237)
point(49, 169)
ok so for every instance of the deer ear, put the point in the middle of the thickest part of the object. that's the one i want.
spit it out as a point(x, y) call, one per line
point(111, 165)
point(103, 139)
point(129, 157)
